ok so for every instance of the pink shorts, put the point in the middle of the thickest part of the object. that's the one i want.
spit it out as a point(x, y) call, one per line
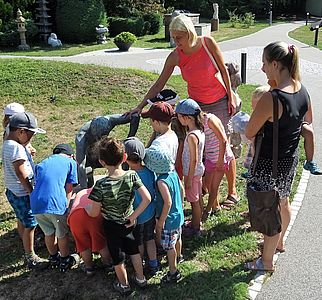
point(211, 166)
point(195, 191)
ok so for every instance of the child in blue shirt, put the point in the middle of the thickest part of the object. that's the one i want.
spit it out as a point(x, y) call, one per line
point(55, 177)
point(144, 230)
point(169, 210)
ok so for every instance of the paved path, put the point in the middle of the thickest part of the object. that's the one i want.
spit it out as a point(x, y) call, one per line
point(299, 271)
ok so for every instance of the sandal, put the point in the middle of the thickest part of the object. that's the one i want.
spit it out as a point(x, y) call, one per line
point(205, 215)
point(230, 202)
point(257, 266)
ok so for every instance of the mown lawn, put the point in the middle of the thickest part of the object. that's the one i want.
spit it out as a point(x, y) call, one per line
point(304, 35)
point(149, 41)
point(213, 266)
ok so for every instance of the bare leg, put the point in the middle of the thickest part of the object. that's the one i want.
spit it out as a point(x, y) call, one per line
point(51, 244)
point(179, 247)
point(172, 260)
point(231, 178)
point(141, 249)
point(121, 274)
point(196, 215)
point(286, 217)
point(28, 239)
point(20, 229)
point(308, 135)
point(270, 244)
point(137, 265)
point(151, 249)
point(105, 255)
point(63, 245)
point(87, 258)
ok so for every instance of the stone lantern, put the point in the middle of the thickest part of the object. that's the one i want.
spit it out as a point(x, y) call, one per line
point(21, 22)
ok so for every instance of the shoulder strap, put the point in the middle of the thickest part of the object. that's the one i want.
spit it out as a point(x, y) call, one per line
point(260, 135)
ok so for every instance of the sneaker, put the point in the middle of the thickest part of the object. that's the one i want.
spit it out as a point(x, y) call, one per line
point(154, 270)
point(312, 167)
point(68, 262)
point(180, 259)
point(142, 283)
point(54, 261)
point(171, 278)
point(108, 267)
point(124, 290)
point(34, 262)
point(89, 271)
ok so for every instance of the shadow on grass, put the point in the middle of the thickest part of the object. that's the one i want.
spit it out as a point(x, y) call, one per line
point(213, 284)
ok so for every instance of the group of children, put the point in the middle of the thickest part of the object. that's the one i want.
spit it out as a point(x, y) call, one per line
point(128, 212)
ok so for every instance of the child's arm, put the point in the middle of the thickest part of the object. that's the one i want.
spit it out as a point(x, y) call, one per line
point(69, 192)
point(22, 175)
point(146, 199)
point(215, 125)
point(167, 202)
point(193, 151)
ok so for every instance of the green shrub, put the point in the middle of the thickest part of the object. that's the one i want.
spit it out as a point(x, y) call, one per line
point(133, 25)
point(248, 19)
point(125, 37)
point(234, 19)
point(76, 19)
point(155, 21)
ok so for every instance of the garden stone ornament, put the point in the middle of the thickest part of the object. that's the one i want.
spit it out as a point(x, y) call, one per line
point(53, 41)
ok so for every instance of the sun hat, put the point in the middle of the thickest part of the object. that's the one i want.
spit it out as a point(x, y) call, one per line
point(64, 149)
point(165, 95)
point(188, 107)
point(134, 146)
point(239, 122)
point(158, 159)
point(25, 120)
point(13, 108)
point(160, 111)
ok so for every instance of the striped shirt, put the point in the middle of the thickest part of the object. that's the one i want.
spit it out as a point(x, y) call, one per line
point(212, 144)
point(12, 152)
point(116, 195)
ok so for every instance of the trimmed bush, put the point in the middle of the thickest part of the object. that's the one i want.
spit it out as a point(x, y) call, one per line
point(125, 37)
point(133, 25)
point(76, 20)
point(155, 22)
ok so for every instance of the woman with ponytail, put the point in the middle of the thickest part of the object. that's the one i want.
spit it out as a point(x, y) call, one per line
point(281, 66)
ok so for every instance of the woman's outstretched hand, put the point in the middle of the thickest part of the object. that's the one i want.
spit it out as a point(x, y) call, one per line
point(134, 111)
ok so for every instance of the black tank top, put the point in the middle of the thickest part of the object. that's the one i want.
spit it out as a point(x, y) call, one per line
point(295, 106)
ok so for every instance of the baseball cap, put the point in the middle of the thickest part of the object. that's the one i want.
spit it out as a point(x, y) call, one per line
point(165, 95)
point(25, 120)
point(158, 159)
point(134, 146)
point(160, 111)
point(64, 149)
point(188, 107)
point(13, 108)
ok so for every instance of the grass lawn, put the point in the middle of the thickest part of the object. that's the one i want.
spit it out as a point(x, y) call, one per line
point(149, 41)
point(304, 35)
point(213, 266)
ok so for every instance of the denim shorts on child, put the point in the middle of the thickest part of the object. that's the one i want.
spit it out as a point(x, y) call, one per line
point(21, 207)
point(53, 224)
point(211, 166)
point(169, 238)
point(194, 192)
point(120, 241)
point(88, 232)
point(144, 232)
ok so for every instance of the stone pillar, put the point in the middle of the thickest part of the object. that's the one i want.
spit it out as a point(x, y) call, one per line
point(215, 18)
point(22, 31)
point(174, 14)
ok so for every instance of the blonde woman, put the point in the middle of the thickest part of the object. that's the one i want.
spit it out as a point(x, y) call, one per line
point(281, 65)
point(204, 86)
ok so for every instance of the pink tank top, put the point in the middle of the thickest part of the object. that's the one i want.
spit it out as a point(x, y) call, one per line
point(199, 72)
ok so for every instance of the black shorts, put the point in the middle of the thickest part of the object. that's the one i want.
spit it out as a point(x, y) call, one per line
point(144, 232)
point(120, 241)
